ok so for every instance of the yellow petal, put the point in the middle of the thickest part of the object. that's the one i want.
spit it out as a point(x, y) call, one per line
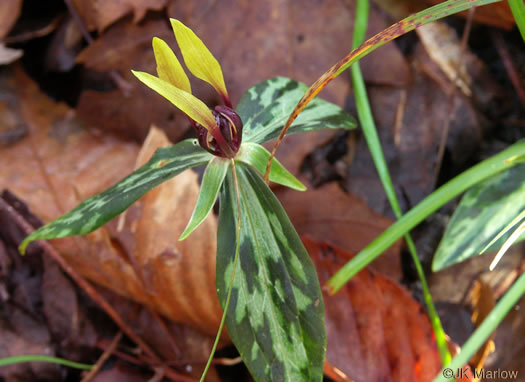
point(189, 104)
point(198, 58)
point(168, 66)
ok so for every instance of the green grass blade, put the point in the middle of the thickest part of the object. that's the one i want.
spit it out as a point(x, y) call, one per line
point(518, 11)
point(366, 119)
point(482, 333)
point(211, 184)
point(43, 358)
point(489, 167)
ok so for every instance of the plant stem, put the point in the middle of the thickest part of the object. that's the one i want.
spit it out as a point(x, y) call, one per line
point(43, 358)
point(235, 261)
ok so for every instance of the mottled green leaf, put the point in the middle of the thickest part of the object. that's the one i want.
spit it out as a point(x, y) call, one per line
point(265, 107)
point(483, 212)
point(257, 156)
point(99, 209)
point(276, 312)
point(210, 186)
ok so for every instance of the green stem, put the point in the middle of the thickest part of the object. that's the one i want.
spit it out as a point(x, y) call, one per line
point(366, 119)
point(489, 167)
point(230, 288)
point(482, 333)
point(43, 358)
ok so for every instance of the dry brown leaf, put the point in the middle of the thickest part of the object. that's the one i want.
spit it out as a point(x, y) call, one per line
point(376, 330)
point(483, 302)
point(300, 40)
point(410, 123)
point(99, 14)
point(328, 214)
point(497, 15)
point(60, 161)
point(444, 47)
point(129, 113)
point(9, 12)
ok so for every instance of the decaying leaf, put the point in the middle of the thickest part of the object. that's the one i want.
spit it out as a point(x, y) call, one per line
point(483, 302)
point(330, 215)
point(100, 14)
point(128, 112)
point(443, 46)
point(9, 12)
point(376, 331)
point(410, 126)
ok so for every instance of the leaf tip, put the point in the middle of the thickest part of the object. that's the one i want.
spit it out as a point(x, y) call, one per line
point(299, 186)
point(23, 246)
point(184, 235)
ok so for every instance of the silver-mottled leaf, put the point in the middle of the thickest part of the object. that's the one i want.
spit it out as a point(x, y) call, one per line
point(482, 213)
point(276, 312)
point(99, 209)
point(265, 107)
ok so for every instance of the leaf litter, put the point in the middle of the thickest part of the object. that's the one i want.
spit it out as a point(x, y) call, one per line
point(59, 154)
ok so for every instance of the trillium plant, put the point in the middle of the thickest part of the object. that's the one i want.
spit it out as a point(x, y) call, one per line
point(266, 282)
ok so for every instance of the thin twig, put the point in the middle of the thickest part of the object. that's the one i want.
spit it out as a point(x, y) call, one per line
point(91, 292)
point(508, 63)
point(103, 358)
point(400, 115)
point(121, 83)
point(78, 21)
point(452, 93)
point(97, 297)
point(176, 349)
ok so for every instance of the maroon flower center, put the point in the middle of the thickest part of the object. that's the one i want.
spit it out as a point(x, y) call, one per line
point(224, 139)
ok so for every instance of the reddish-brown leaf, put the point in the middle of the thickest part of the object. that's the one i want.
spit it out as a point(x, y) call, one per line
point(376, 330)
point(100, 14)
point(130, 109)
point(9, 12)
point(330, 215)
